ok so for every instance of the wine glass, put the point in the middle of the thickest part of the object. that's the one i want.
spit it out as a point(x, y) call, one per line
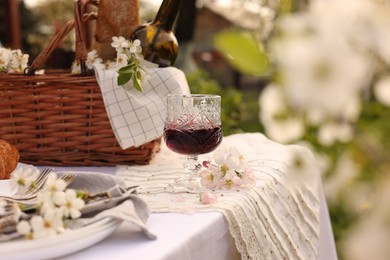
point(192, 127)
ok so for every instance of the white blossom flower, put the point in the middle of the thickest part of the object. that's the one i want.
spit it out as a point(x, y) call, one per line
point(279, 125)
point(51, 192)
point(22, 179)
point(323, 162)
point(344, 174)
point(229, 181)
point(209, 177)
point(364, 23)
point(45, 200)
point(381, 35)
point(75, 68)
point(121, 60)
point(70, 204)
point(49, 224)
point(93, 59)
point(294, 25)
point(331, 132)
point(18, 62)
point(230, 157)
point(24, 228)
point(382, 91)
point(53, 184)
point(135, 47)
point(5, 56)
point(119, 42)
point(302, 166)
point(327, 76)
point(110, 65)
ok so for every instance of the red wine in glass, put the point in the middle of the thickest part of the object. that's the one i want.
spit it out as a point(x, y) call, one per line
point(193, 141)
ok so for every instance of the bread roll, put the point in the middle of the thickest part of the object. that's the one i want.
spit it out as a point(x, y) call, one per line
point(9, 158)
point(115, 18)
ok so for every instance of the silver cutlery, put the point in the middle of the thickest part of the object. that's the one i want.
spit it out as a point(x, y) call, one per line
point(32, 195)
point(39, 182)
point(68, 177)
point(33, 190)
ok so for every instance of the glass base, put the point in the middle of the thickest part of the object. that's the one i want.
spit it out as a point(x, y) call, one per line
point(191, 180)
point(186, 184)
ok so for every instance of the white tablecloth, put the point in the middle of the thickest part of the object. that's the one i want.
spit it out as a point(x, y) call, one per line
point(202, 235)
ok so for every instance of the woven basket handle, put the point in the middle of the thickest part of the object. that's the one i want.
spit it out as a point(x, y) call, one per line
point(78, 24)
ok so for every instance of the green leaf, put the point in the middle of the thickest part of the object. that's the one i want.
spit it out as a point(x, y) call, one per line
point(138, 74)
point(128, 72)
point(243, 52)
point(124, 78)
point(137, 84)
point(126, 69)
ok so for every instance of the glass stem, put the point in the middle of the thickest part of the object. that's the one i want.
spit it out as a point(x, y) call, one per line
point(192, 166)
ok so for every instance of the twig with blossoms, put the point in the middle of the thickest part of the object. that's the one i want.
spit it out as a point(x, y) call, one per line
point(55, 204)
point(129, 57)
point(48, 213)
point(129, 62)
point(229, 171)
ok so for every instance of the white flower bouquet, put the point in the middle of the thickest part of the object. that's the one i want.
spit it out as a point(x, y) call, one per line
point(12, 61)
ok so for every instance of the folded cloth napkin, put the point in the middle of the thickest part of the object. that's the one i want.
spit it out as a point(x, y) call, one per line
point(137, 118)
point(108, 197)
point(112, 199)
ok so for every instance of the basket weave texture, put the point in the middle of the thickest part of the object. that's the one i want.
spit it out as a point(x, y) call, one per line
point(60, 119)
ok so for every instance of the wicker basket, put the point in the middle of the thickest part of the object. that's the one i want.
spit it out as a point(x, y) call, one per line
point(60, 119)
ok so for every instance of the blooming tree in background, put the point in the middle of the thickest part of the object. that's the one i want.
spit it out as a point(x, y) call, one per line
point(331, 89)
point(328, 67)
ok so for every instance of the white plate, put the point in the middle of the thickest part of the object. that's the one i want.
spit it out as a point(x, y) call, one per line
point(63, 244)
point(5, 188)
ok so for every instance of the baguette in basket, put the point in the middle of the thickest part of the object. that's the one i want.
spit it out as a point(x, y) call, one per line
point(114, 18)
point(9, 158)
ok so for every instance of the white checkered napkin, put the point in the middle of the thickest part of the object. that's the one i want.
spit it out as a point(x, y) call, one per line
point(137, 118)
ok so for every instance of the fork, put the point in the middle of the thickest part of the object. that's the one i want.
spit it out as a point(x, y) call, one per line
point(39, 182)
point(68, 177)
point(31, 199)
point(33, 190)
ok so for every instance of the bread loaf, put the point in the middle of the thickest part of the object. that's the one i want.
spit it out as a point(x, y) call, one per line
point(115, 18)
point(9, 158)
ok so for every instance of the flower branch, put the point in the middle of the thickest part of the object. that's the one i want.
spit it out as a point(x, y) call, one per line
point(129, 63)
point(229, 171)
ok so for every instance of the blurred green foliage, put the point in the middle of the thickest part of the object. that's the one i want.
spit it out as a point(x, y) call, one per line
point(201, 82)
point(243, 51)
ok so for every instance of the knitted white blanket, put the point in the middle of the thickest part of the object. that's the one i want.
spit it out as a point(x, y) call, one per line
point(274, 220)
